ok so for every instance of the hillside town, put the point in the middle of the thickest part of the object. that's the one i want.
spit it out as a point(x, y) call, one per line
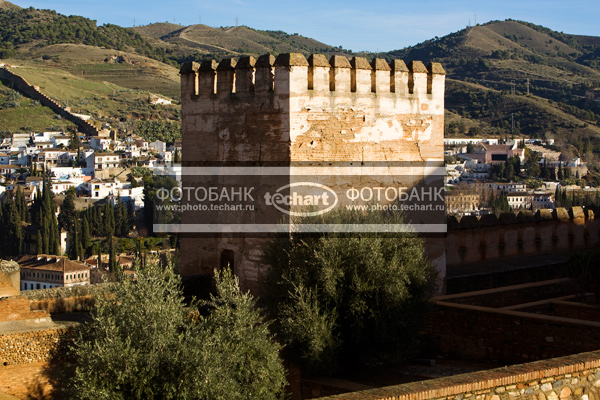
point(84, 175)
point(487, 176)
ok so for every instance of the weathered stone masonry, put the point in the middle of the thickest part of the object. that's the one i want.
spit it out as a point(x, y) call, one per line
point(575, 377)
point(280, 111)
point(475, 240)
point(33, 346)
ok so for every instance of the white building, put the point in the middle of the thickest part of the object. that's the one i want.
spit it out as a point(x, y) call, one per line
point(509, 187)
point(47, 271)
point(36, 181)
point(134, 195)
point(165, 157)
point(20, 140)
point(147, 162)
point(59, 187)
point(463, 141)
point(59, 140)
point(106, 161)
point(100, 144)
point(520, 200)
point(99, 189)
point(67, 173)
point(542, 200)
point(157, 146)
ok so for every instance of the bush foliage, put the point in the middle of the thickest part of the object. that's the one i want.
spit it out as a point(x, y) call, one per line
point(353, 296)
point(141, 344)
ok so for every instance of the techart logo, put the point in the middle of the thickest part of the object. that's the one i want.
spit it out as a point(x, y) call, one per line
point(314, 198)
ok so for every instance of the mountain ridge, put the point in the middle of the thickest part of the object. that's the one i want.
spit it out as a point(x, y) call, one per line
point(547, 82)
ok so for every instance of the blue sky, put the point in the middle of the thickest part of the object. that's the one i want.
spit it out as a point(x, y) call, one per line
point(357, 25)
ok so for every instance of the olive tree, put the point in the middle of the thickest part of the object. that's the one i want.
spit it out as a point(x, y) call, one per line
point(347, 296)
point(141, 343)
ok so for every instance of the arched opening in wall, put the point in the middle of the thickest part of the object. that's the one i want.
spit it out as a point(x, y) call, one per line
point(227, 260)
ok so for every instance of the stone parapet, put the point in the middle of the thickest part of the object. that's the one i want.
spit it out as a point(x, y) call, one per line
point(315, 74)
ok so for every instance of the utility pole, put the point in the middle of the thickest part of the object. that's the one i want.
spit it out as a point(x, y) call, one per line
point(512, 89)
point(236, 21)
point(527, 86)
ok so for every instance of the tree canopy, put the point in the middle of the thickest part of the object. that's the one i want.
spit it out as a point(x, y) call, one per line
point(141, 343)
point(338, 297)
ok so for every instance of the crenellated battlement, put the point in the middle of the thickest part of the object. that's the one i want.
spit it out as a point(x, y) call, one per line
point(294, 74)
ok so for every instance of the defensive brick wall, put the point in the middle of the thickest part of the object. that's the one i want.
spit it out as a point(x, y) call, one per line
point(516, 324)
point(574, 377)
point(509, 336)
point(18, 308)
point(23, 86)
point(472, 239)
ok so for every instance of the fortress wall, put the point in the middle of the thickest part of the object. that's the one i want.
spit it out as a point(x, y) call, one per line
point(488, 238)
point(32, 91)
point(574, 377)
point(19, 308)
point(508, 336)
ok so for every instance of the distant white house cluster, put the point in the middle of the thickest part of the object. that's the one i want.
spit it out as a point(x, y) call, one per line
point(95, 169)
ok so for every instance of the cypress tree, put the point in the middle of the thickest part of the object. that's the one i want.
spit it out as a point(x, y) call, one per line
point(85, 234)
point(561, 175)
point(109, 219)
point(118, 218)
point(39, 244)
point(54, 244)
point(45, 237)
point(74, 242)
point(21, 205)
point(67, 215)
point(12, 230)
point(112, 262)
point(124, 216)
point(98, 221)
point(100, 255)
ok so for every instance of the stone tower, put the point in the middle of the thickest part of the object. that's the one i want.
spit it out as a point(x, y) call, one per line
point(277, 112)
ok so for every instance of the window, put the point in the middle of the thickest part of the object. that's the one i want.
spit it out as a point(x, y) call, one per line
point(227, 260)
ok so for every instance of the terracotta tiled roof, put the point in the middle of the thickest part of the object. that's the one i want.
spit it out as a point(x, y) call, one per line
point(51, 263)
